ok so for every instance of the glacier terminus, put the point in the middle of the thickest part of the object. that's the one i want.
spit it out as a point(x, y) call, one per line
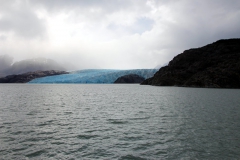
point(107, 76)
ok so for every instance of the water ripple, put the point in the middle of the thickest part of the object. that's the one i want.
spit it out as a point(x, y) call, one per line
point(118, 122)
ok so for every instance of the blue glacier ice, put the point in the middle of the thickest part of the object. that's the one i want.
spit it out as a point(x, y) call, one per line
point(94, 76)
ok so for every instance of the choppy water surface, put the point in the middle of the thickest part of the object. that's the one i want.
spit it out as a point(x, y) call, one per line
point(118, 122)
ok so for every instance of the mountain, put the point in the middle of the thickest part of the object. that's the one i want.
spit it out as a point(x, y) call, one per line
point(158, 66)
point(29, 65)
point(130, 78)
point(216, 65)
point(26, 77)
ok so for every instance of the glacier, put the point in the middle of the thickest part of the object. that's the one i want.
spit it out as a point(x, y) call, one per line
point(94, 76)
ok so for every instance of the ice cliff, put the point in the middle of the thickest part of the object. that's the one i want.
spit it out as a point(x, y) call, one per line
point(94, 76)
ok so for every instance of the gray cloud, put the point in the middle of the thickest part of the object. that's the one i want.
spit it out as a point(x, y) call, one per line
point(114, 34)
point(3, 38)
point(108, 6)
point(140, 26)
point(197, 23)
point(21, 20)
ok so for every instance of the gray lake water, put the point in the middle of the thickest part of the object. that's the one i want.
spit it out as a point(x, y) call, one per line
point(118, 122)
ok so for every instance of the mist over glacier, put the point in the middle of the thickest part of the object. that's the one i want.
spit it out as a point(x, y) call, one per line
point(94, 76)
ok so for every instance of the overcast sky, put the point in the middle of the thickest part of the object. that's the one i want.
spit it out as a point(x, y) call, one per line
point(123, 34)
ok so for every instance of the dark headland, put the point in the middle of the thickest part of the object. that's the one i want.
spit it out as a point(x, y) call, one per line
point(216, 65)
point(26, 77)
point(130, 78)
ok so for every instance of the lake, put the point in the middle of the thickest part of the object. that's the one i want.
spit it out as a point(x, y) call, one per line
point(118, 121)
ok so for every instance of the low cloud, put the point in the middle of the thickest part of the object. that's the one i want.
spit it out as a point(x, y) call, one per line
point(5, 62)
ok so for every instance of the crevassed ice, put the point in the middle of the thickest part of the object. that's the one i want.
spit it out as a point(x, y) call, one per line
point(94, 76)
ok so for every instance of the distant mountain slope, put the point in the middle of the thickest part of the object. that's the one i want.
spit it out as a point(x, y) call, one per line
point(215, 65)
point(94, 76)
point(31, 65)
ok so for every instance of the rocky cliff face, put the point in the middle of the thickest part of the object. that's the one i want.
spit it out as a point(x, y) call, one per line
point(26, 77)
point(131, 78)
point(216, 65)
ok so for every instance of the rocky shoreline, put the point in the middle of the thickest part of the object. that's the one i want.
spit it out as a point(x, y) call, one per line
point(26, 77)
point(216, 65)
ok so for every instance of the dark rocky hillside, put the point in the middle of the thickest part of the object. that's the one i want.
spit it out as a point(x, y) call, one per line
point(131, 78)
point(216, 65)
point(26, 77)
